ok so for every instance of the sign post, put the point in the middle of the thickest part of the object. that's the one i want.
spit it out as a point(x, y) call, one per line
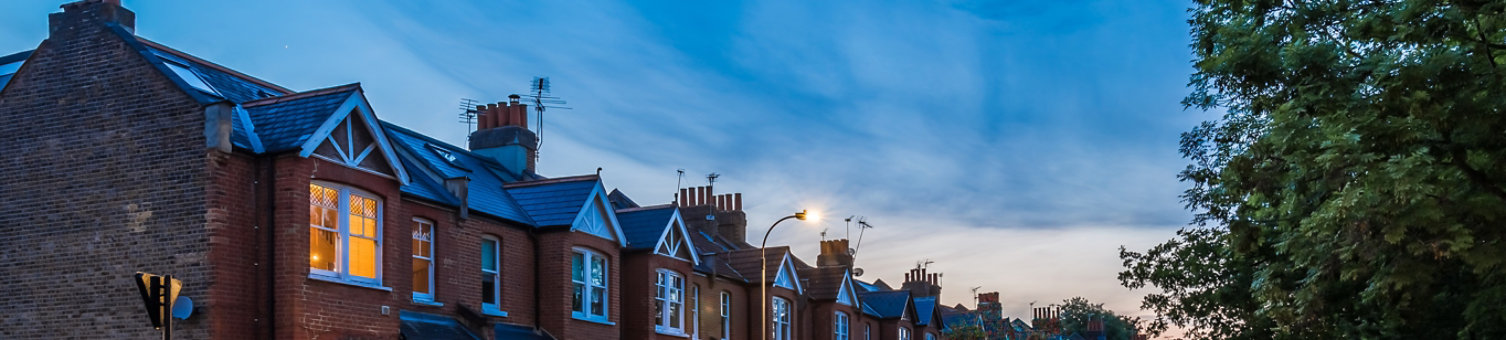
point(158, 293)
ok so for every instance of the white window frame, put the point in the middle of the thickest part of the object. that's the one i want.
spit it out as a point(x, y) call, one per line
point(930, 336)
point(695, 311)
point(669, 290)
point(342, 248)
point(726, 312)
point(493, 309)
point(418, 235)
point(587, 257)
point(867, 332)
point(904, 333)
point(840, 324)
point(782, 322)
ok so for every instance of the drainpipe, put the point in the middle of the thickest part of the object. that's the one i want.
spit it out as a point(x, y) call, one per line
point(538, 301)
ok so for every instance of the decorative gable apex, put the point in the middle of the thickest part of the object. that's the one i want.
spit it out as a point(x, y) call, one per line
point(787, 277)
point(846, 295)
point(596, 218)
point(352, 136)
point(675, 243)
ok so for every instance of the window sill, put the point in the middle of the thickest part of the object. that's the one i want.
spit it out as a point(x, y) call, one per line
point(427, 303)
point(671, 332)
point(493, 311)
point(349, 283)
point(594, 319)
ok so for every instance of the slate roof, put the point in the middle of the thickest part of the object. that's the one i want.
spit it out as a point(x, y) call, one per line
point(746, 261)
point(485, 190)
point(230, 85)
point(554, 202)
point(5, 75)
point(717, 264)
point(620, 200)
point(925, 310)
point(429, 326)
point(823, 283)
point(643, 226)
point(285, 122)
point(885, 304)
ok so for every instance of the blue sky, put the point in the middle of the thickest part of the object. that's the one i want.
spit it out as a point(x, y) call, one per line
point(1016, 143)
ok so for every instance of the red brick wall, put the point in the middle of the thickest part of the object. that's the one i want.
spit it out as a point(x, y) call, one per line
point(102, 175)
point(711, 324)
point(639, 278)
point(555, 249)
point(237, 307)
point(309, 308)
point(755, 317)
point(823, 317)
point(457, 252)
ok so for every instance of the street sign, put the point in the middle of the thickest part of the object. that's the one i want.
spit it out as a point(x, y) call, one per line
point(159, 292)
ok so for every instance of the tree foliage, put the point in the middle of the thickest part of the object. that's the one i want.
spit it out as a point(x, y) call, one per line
point(1077, 312)
point(1355, 184)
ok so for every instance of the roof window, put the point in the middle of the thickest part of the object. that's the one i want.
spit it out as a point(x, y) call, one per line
point(190, 77)
point(449, 157)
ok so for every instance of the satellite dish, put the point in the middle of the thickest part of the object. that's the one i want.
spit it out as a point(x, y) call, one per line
point(852, 251)
point(182, 308)
point(857, 272)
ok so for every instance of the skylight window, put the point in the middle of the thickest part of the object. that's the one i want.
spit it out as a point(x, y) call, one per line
point(190, 77)
point(443, 153)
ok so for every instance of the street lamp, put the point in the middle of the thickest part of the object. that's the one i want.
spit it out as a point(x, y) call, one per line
point(763, 258)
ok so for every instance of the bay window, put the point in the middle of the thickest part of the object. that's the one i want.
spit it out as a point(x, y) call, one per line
point(345, 238)
point(423, 260)
point(669, 301)
point(588, 274)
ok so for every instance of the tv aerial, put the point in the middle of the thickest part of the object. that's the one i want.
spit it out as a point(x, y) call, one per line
point(468, 114)
point(539, 92)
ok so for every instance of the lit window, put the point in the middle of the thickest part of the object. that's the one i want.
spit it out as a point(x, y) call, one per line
point(726, 311)
point(904, 333)
point(491, 276)
point(588, 273)
point(190, 77)
point(345, 239)
point(839, 326)
point(423, 260)
point(781, 319)
point(669, 301)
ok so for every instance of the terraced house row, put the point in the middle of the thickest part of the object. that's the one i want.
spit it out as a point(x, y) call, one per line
point(302, 215)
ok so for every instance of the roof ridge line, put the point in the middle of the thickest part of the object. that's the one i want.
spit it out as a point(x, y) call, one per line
point(651, 207)
point(300, 95)
point(213, 65)
point(551, 181)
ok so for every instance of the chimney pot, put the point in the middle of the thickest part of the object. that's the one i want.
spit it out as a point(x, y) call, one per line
point(513, 98)
point(739, 204)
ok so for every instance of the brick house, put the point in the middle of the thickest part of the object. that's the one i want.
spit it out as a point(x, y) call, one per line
point(302, 215)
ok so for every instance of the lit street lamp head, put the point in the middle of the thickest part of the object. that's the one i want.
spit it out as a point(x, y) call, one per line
point(806, 215)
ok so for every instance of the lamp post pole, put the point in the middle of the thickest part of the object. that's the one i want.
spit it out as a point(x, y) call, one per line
point(763, 259)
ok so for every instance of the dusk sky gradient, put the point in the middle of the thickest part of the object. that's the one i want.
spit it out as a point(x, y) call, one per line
point(1017, 144)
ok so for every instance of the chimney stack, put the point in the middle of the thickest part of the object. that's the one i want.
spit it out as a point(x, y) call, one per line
point(834, 254)
point(82, 14)
point(502, 134)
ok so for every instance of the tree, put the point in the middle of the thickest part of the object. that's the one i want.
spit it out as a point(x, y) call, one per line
point(1355, 184)
point(1077, 312)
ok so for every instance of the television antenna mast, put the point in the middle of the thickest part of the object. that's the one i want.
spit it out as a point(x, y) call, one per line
point(539, 91)
point(468, 114)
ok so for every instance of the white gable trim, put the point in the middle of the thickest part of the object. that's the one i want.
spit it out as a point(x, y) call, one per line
point(356, 102)
point(598, 198)
point(676, 222)
point(846, 294)
point(787, 272)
